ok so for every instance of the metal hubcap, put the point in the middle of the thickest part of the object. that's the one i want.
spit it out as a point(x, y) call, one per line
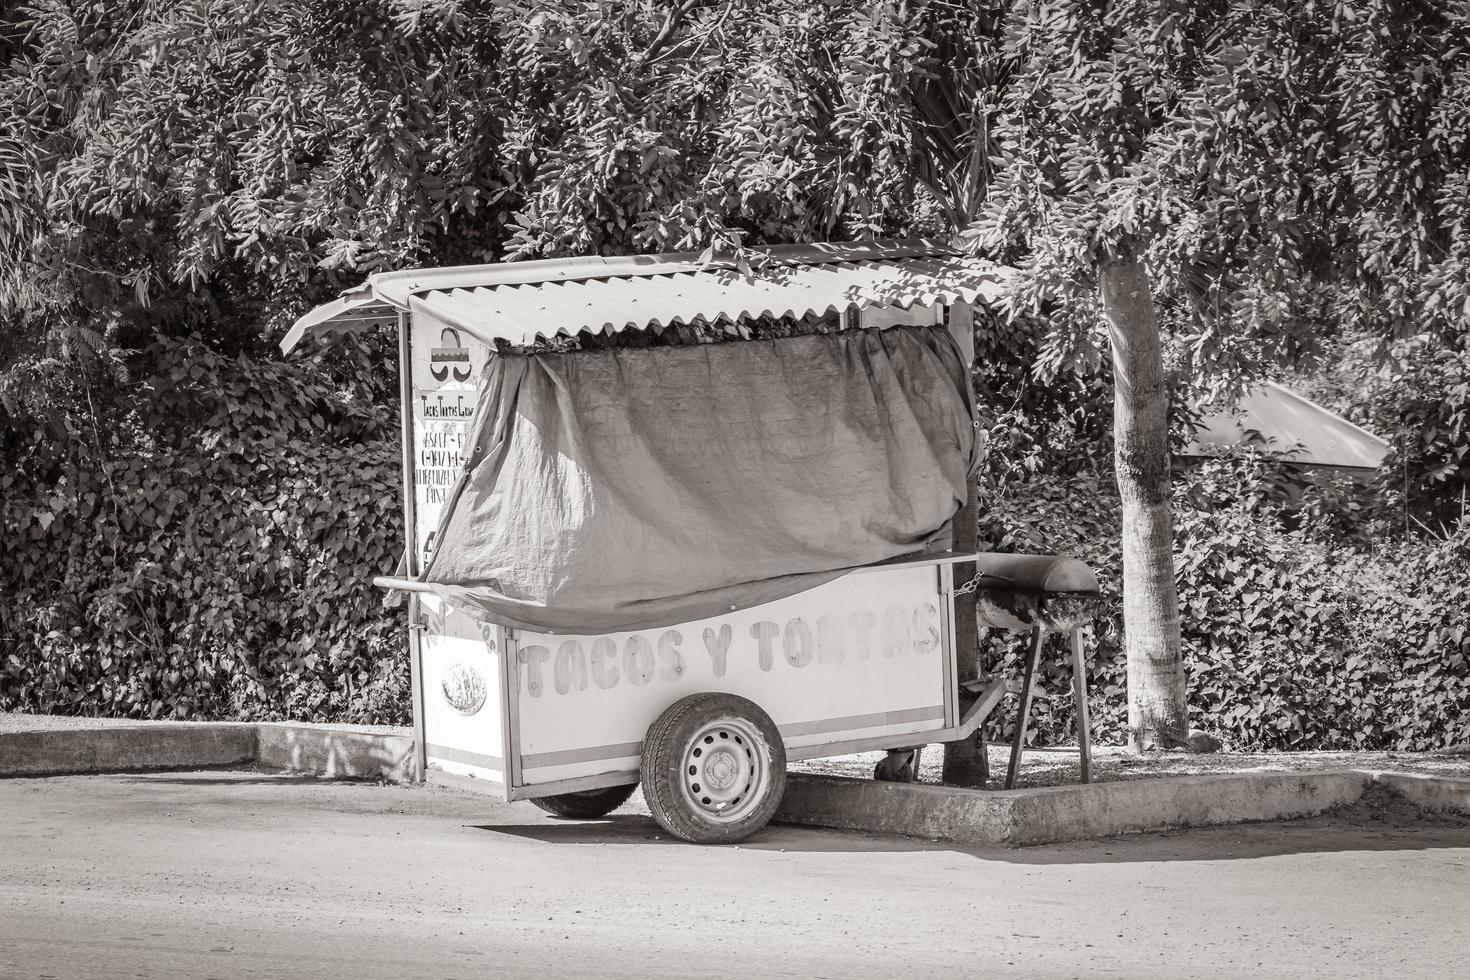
point(726, 769)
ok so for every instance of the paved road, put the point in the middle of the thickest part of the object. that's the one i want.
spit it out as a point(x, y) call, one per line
point(214, 874)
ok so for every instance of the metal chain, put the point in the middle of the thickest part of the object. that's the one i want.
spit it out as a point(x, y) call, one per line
point(971, 585)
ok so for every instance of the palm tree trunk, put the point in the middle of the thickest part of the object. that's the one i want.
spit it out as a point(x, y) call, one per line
point(1157, 709)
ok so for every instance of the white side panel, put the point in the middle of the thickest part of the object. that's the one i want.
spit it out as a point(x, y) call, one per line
point(461, 672)
point(462, 697)
point(861, 657)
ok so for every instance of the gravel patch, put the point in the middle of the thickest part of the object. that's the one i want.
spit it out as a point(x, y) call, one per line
point(14, 721)
point(1381, 807)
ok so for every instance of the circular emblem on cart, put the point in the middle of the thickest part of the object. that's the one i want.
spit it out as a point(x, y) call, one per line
point(464, 689)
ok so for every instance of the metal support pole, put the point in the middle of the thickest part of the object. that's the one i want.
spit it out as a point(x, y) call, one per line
point(411, 548)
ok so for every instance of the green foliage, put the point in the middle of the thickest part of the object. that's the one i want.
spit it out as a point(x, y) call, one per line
point(648, 127)
point(1425, 408)
point(192, 529)
point(1419, 401)
point(1285, 167)
point(1290, 641)
point(203, 549)
point(206, 168)
point(197, 167)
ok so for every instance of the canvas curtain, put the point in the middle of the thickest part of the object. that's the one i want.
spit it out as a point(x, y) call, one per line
point(628, 489)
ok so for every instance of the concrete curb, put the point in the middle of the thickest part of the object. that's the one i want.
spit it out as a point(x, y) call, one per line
point(338, 753)
point(1082, 812)
point(161, 746)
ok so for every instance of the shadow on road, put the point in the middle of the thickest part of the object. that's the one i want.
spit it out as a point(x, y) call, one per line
point(1238, 842)
point(631, 828)
point(1318, 835)
point(235, 780)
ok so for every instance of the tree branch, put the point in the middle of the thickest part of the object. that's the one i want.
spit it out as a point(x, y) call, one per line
point(711, 31)
point(672, 21)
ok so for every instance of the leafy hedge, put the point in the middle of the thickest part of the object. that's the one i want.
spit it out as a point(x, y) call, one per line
point(201, 549)
point(1290, 642)
point(200, 545)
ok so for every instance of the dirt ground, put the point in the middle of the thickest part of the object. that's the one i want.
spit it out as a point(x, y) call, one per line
point(223, 874)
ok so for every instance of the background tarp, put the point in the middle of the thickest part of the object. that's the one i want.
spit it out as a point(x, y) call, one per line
point(626, 489)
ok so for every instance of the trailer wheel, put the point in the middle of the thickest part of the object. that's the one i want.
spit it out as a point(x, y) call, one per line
point(589, 804)
point(898, 767)
point(714, 769)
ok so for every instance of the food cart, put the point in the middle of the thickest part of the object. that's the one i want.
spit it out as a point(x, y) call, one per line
point(591, 604)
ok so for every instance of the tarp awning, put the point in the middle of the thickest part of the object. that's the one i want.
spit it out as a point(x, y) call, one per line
point(625, 489)
point(519, 302)
point(1284, 423)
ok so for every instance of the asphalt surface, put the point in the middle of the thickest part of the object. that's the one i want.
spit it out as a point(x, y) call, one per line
point(252, 874)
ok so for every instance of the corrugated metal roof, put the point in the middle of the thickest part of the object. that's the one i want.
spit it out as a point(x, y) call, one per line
point(522, 313)
point(1292, 426)
point(520, 301)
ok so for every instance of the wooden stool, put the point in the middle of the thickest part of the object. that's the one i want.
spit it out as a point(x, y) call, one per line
point(1040, 594)
point(1079, 696)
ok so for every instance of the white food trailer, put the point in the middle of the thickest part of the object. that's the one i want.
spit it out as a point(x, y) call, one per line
point(706, 713)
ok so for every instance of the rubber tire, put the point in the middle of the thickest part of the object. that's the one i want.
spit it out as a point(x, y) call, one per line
point(589, 804)
point(663, 761)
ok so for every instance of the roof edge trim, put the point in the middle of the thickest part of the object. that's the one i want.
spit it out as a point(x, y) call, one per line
point(352, 299)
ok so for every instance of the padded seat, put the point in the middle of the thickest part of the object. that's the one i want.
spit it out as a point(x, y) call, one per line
point(1035, 573)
